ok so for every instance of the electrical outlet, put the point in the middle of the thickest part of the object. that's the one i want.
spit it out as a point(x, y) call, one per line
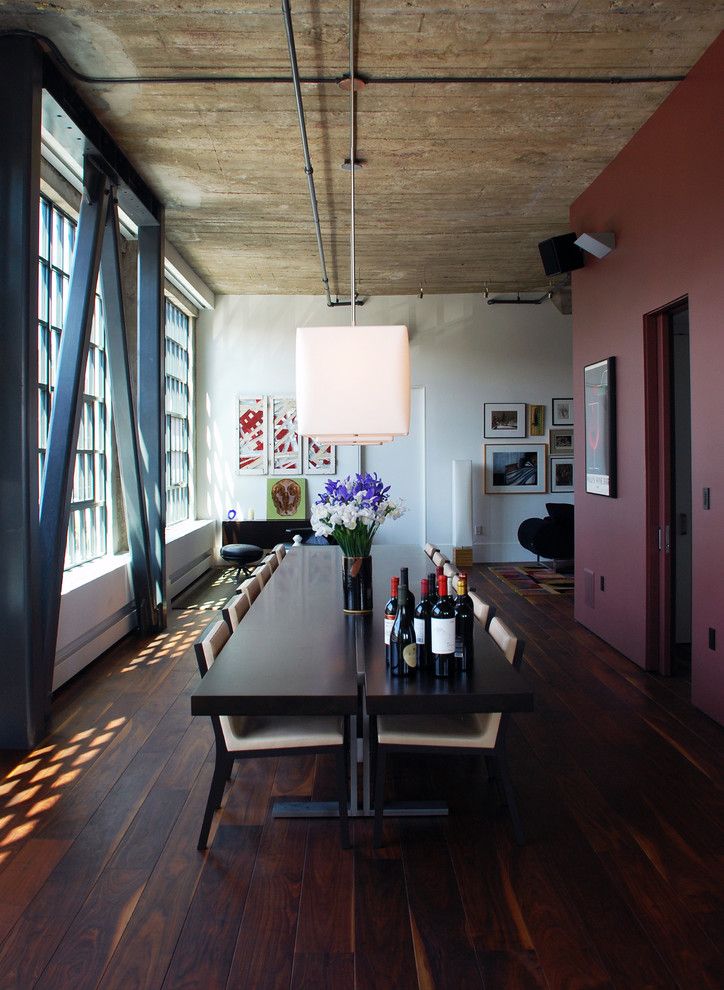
point(478, 530)
point(712, 638)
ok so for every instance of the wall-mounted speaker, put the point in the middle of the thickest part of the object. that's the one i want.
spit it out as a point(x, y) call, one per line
point(560, 254)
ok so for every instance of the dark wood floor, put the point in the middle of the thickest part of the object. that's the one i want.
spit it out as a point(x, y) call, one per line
point(620, 883)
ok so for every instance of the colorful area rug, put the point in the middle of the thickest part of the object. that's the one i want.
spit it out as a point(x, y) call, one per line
point(531, 580)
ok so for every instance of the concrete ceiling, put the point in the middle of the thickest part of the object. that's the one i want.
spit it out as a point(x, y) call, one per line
point(461, 181)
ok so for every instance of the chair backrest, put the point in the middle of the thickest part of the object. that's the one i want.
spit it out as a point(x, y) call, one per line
point(250, 588)
point(439, 558)
point(281, 551)
point(449, 570)
point(430, 549)
point(511, 646)
point(263, 573)
point(235, 610)
point(210, 645)
point(483, 611)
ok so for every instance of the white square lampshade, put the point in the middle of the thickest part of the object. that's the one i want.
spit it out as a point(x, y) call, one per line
point(353, 383)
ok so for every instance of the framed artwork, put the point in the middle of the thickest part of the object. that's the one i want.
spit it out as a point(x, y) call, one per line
point(599, 394)
point(320, 457)
point(252, 427)
point(516, 468)
point(561, 474)
point(536, 421)
point(562, 412)
point(561, 442)
point(502, 420)
point(285, 455)
point(286, 498)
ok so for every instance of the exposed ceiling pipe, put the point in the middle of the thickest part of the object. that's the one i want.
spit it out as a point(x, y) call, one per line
point(309, 171)
point(497, 300)
point(239, 79)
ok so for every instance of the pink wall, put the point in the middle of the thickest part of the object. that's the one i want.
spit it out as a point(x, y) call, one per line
point(663, 196)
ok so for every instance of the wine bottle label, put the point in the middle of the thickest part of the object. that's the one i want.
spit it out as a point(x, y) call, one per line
point(388, 628)
point(443, 635)
point(409, 655)
point(420, 631)
point(458, 646)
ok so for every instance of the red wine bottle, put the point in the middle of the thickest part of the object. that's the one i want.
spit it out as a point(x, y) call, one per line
point(403, 649)
point(464, 625)
point(404, 579)
point(442, 631)
point(390, 613)
point(422, 626)
point(432, 584)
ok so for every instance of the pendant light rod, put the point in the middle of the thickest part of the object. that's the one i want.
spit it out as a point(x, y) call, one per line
point(309, 171)
point(352, 159)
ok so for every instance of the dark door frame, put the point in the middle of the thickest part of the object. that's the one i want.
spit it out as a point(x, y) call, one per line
point(658, 462)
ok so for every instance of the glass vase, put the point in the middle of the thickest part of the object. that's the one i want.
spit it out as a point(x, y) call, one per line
point(357, 585)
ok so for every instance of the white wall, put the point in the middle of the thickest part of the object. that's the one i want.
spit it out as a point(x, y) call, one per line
point(464, 353)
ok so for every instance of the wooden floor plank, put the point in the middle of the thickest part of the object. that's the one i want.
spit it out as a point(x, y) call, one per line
point(619, 781)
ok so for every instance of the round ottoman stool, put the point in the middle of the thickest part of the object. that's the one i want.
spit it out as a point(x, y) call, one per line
point(243, 555)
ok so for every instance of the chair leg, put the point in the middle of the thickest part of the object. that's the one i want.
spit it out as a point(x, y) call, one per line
point(501, 764)
point(379, 794)
point(216, 792)
point(342, 796)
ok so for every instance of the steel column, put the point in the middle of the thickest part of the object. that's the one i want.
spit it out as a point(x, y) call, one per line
point(22, 706)
point(151, 400)
point(124, 421)
point(67, 402)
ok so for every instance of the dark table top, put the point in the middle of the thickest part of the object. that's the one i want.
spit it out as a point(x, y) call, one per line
point(296, 652)
point(293, 652)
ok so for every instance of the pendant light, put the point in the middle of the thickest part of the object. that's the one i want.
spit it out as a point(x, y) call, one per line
point(353, 383)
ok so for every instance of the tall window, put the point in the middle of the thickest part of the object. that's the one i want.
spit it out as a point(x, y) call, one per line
point(87, 523)
point(177, 414)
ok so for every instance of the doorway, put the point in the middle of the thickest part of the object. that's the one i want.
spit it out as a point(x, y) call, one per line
point(668, 489)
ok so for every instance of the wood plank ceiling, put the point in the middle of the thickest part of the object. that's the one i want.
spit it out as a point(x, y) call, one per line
point(461, 180)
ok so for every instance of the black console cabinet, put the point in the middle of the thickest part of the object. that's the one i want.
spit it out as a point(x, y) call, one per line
point(264, 533)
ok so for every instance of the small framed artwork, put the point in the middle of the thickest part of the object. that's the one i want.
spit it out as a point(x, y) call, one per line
point(561, 474)
point(562, 412)
point(286, 498)
point(599, 393)
point(503, 420)
point(516, 468)
point(560, 441)
point(319, 456)
point(536, 420)
point(285, 455)
point(252, 427)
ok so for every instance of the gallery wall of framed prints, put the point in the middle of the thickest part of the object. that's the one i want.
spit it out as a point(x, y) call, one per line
point(270, 444)
point(523, 467)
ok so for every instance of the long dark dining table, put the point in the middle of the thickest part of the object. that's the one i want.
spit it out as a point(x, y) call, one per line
point(296, 652)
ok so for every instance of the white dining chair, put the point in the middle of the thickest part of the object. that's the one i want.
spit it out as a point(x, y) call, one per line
point(479, 733)
point(251, 588)
point(430, 550)
point(263, 573)
point(484, 612)
point(234, 611)
point(244, 736)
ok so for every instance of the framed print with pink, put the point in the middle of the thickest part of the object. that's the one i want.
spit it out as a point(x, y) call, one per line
point(599, 394)
point(252, 434)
